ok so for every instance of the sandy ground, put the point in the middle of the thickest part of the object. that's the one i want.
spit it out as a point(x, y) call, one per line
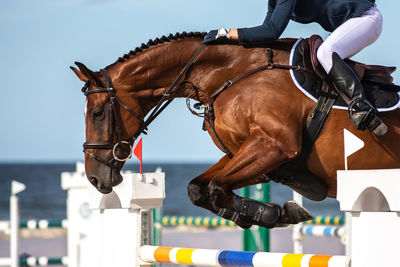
point(223, 238)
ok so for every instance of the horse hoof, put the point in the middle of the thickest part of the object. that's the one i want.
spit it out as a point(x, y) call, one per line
point(293, 213)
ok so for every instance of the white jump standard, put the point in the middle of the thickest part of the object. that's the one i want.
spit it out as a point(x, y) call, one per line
point(115, 225)
point(372, 197)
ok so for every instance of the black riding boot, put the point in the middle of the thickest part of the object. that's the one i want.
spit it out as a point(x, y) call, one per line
point(361, 113)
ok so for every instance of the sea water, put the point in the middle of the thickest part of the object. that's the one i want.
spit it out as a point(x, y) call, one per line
point(45, 199)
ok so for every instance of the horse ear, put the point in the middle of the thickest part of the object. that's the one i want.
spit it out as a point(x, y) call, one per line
point(85, 74)
point(80, 75)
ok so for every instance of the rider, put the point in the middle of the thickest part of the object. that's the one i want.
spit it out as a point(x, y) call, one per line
point(354, 24)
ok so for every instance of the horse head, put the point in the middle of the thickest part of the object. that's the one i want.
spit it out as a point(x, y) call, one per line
point(110, 129)
point(121, 95)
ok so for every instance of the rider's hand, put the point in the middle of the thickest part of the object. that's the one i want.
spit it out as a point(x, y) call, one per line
point(216, 36)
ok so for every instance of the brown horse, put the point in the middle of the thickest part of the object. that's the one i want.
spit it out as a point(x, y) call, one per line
point(259, 119)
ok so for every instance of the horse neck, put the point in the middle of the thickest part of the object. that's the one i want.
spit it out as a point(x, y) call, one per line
point(147, 75)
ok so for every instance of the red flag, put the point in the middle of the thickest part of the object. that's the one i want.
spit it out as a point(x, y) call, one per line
point(138, 153)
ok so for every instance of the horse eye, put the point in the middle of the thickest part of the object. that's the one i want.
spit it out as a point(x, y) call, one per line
point(98, 115)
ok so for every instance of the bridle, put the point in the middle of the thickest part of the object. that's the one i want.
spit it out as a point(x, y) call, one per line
point(116, 120)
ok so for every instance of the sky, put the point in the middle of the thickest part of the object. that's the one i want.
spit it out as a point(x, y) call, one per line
point(41, 108)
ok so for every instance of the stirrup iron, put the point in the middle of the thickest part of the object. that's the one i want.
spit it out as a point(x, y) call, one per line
point(367, 118)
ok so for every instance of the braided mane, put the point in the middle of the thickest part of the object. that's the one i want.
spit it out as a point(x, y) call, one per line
point(160, 40)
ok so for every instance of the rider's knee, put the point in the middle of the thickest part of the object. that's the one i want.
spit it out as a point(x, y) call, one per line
point(324, 55)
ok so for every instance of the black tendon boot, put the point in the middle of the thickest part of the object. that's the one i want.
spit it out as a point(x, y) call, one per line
point(361, 113)
point(235, 217)
point(271, 215)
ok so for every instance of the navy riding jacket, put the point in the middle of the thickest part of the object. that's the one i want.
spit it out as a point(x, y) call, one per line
point(330, 14)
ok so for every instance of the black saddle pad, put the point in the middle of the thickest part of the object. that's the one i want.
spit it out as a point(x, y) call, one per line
point(379, 95)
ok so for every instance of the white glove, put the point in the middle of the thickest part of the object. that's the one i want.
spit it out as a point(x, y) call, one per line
point(222, 33)
point(216, 36)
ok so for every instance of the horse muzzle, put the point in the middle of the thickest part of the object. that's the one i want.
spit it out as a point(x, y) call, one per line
point(103, 176)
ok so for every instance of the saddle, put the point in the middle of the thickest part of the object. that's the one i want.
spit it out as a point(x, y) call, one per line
point(377, 80)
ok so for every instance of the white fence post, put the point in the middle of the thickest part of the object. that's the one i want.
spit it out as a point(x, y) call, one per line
point(108, 230)
point(16, 187)
point(372, 198)
point(79, 216)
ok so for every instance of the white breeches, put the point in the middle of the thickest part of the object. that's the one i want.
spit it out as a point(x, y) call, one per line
point(351, 37)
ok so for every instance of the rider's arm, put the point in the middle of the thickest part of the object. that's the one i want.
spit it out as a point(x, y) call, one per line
point(277, 19)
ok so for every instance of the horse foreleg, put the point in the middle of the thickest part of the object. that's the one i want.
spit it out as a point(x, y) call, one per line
point(259, 154)
point(198, 188)
point(199, 193)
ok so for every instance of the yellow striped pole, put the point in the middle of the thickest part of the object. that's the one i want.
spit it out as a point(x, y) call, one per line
point(210, 257)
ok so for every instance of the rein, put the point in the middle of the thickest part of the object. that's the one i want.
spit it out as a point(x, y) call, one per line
point(160, 106)
point(115, 117)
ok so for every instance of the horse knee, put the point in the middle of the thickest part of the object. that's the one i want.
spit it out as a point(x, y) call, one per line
point(198, 193)
point(220, 196)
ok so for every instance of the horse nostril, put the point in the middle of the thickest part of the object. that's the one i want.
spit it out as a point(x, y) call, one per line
point(103, 189)
point(94, 181)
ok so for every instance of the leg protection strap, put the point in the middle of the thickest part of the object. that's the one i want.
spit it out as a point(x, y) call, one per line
point(265, 214)
point(235, 217)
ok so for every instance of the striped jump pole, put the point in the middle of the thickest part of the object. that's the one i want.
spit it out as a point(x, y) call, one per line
point(36, 261)
point(196, 221)
point(35, 224)
point(321, 230)
point(43, 224)
point(43, 261)
point(210, 257)
point(327, 220)
point(5, 226)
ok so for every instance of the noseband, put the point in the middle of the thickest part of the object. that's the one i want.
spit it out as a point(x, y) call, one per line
point(115, 117)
